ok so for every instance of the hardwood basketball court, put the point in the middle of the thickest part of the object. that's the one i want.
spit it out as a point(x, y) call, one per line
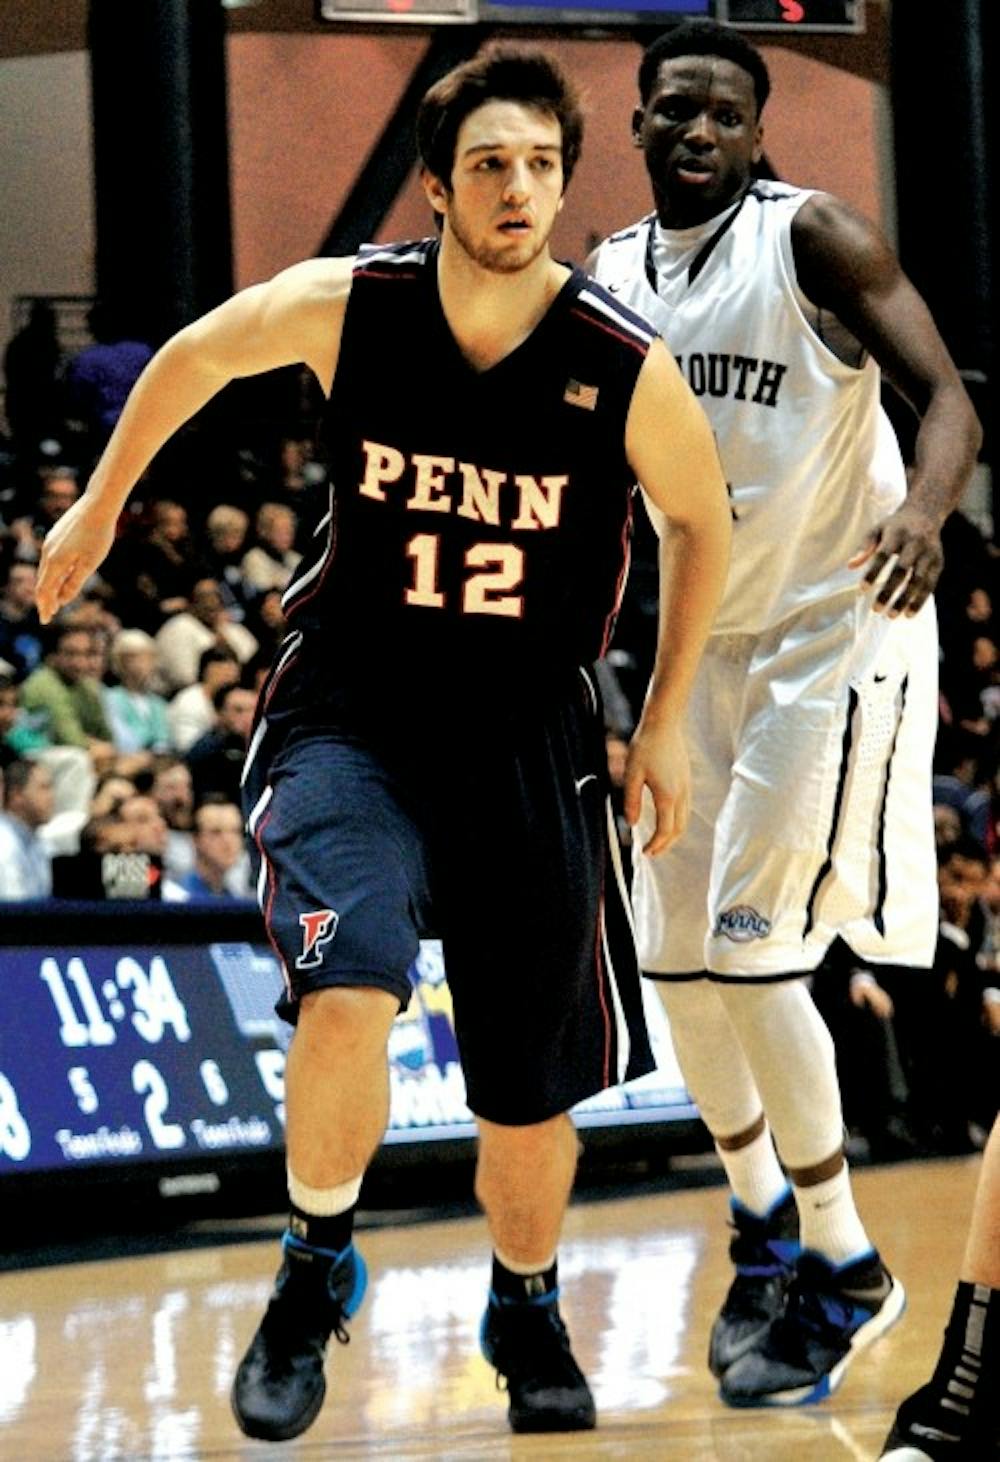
point(130, 1359)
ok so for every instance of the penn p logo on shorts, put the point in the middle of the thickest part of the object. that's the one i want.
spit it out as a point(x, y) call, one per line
point(741, 924)
point(318, 928)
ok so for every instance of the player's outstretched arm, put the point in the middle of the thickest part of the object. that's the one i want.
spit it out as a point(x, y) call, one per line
point(671, 447)
point(293, 318)
point(846, 266)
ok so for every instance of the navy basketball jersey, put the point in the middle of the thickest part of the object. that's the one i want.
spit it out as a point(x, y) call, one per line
point(477, 536)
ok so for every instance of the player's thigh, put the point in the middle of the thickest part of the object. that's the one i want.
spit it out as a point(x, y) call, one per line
point(670, 892)
point(542, 972)
point(807, 745)
point(342, 873)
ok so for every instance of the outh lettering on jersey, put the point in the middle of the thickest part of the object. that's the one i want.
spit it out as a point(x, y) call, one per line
point(743, 377)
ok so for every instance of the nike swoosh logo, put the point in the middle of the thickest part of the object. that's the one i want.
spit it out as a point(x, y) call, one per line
point(582, 781)
point(879, 679)
point(614, 288)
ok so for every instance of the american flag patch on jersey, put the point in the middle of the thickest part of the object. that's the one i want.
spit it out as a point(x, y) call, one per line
point(579, 395)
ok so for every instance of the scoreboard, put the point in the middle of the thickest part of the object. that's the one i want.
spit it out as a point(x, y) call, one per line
point(815, 16)
point(140, 1044)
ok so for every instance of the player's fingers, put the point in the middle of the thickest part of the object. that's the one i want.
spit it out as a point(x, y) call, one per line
point(891, 587)
point(665, 831)
point(632, 796)
point(863, 554)
point(877, 564)
point(59, 586)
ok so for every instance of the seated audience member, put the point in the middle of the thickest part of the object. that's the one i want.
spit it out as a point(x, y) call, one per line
point(226, 530)
point(136, 714)
point(25, 864)
point(58, 490)
point(266, 621)
point(216, 759)
point(947, 1019)
point(155, 576)
point(20, 630)
point(63, 699)
point(18, 737)
point(855, 1001)
point(989, 953)
point(947, 827)
point(272, 561)
point(70, 767)
point(173, 793)
point(112, 791)
point(218, 852)
point(118, 857)
point(185, 637)
point(191, 712)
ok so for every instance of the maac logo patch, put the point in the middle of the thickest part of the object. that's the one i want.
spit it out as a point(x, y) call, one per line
point(741, 924)
point(318, 928)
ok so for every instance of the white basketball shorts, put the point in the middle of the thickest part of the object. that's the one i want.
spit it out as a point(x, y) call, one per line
point(811, 749)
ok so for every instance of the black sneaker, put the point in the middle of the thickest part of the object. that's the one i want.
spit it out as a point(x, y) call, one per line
point(764, 1251)
point(526, 1341)
point(932, 1426)
point(280, 1385)
point(830, 1316)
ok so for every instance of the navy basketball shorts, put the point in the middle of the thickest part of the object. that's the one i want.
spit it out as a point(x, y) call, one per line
point(504, 850)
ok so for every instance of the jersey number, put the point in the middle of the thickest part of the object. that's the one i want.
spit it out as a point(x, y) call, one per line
point(498, 568)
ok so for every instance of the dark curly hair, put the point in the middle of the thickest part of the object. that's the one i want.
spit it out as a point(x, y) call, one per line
point(704, 38)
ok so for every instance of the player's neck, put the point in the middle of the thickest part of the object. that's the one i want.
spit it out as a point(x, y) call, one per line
point(690, 212)
point(491, 313)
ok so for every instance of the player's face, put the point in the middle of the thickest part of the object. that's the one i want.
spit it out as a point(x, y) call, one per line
point(700, 135)
point(506, 185)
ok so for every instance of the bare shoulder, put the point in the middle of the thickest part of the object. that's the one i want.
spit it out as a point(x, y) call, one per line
point(834, 242)
point(306, 303)
point(313, 284)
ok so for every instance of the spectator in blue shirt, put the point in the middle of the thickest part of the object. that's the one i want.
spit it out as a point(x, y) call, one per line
point(25, 866)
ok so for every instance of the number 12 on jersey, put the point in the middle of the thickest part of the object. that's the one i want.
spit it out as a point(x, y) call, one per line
point(492, 571)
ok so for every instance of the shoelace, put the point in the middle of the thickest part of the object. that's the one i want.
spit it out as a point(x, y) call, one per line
point(292, 1317)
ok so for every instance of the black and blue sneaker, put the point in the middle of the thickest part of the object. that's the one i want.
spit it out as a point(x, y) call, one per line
point(280, 1384)
point(527, 1343)
point(831, 1314)
point(764, 1251)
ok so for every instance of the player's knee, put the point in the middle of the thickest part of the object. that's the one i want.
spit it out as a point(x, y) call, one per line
point(535, 1144)
point(346, 1017)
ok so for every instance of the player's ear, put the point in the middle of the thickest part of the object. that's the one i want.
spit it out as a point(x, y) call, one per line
point(637, 117)
point(434, 190)
point(758, 143)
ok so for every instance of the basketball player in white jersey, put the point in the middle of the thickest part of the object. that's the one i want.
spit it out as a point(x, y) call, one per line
point(812, 722)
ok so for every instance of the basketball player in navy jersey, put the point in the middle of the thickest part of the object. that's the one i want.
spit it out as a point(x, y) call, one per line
point(812, 721)
point(428, 753)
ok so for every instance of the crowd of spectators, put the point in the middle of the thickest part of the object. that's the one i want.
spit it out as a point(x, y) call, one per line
point(123, 725)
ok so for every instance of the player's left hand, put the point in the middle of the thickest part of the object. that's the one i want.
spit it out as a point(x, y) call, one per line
point(658, 759)
point(908, 543)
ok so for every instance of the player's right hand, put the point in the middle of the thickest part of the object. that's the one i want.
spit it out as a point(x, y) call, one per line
point(74, 547)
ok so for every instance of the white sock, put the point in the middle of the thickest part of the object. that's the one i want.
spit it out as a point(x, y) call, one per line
point(828, 1220)
point(323, 1202)
point(755, 1174)
point(517, 1267)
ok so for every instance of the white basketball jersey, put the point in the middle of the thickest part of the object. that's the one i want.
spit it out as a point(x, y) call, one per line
point(811, 460)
